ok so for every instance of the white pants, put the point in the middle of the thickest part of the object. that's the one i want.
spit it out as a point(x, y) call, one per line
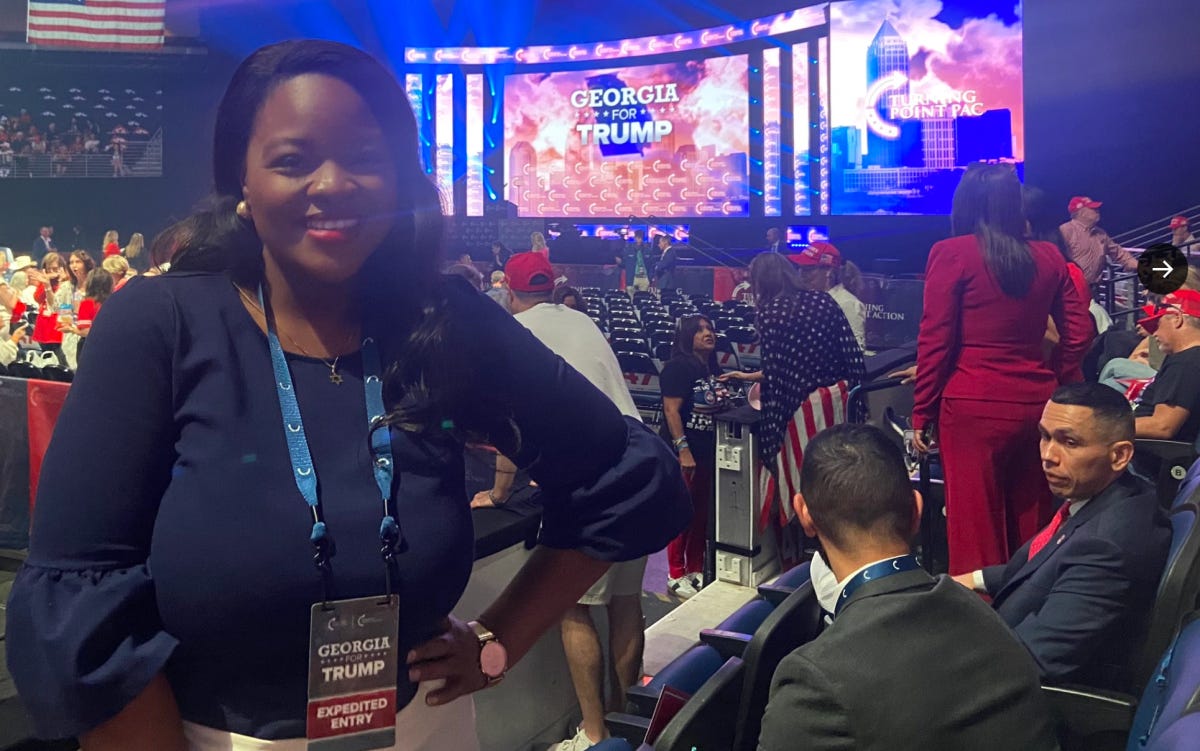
point(419, 727)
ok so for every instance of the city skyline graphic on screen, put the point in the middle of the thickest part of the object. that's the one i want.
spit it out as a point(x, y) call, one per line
point(921, 89)
point(667, 140)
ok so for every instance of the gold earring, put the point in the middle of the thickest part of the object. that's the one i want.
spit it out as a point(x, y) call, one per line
point(243, 210)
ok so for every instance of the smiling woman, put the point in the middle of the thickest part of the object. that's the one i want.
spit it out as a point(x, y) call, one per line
point(305, 372)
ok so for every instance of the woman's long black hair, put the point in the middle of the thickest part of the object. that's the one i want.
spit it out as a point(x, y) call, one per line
point(685, 338)
point(428, 387)
point(1045, 219)
point(987, 204)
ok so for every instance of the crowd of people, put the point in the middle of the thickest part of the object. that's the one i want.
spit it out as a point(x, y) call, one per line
point(48, 299)
point(179, 612)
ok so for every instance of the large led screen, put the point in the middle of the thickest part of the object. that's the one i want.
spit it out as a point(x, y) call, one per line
point(669, 140)
point(920, 90)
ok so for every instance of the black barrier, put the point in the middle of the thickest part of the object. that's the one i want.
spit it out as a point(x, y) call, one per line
point(893, 310)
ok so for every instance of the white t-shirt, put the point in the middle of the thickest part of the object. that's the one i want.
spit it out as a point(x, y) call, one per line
point(856, 313)
point(575, 338)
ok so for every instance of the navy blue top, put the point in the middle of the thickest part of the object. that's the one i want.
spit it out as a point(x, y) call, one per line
point(172, 537)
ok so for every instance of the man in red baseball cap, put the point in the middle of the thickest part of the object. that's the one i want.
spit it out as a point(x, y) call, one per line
point(821, 269)
point(1088, 243)
point(1170, 406)
point(529, 272)
point(1181, 234)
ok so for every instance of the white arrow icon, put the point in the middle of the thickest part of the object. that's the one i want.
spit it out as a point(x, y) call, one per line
point(1166, 269)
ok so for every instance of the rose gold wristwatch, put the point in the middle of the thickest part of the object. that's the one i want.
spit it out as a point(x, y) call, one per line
point(493, 657)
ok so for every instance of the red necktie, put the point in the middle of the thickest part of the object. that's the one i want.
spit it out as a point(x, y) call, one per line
point(1046, 534)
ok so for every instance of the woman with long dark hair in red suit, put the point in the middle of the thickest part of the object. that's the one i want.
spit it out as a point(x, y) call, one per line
point(981, 377)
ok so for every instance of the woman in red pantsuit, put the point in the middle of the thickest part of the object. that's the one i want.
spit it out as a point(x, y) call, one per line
point(981, 377)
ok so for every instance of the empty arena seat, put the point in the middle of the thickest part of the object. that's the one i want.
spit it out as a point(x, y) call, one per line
point(707, 719)
point(727, 356)
point(687, 672)
point(731, 635)
point(1178, 589)
point(630, 345)
point(23, 369)
point(1169, 465)
point(741, 334)
point(623, 329)
point(795, 622)
point(722, 322)
point(789, 581)
point(704, 722)
point(641, 376)
point(662, 351)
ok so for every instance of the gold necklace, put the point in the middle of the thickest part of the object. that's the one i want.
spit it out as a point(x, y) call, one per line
point(334, 377)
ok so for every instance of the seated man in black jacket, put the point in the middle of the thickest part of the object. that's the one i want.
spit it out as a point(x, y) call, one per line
point(909, 662)
point(1079, 594)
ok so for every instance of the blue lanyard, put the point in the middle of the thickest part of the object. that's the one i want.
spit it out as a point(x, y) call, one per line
point(874, 572)
point(297, 443)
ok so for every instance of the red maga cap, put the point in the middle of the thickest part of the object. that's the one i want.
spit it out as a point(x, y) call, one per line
point(529, 272)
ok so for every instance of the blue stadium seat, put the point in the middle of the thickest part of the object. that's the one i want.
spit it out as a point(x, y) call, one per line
point(1091, 717)
point(1173, 459)
point(1180, 735)
point(686, 672)
point(1173, 692)
point(789, 581)
point(797, 621)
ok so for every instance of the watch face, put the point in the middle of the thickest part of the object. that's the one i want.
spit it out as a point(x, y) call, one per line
point(493, 659)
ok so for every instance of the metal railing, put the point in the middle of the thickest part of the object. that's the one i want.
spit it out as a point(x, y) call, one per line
point(1119, 291)
point(135, 159)
point(1158, 231)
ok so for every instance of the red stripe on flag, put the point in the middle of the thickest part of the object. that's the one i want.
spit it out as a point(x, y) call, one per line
point(123, 31)
point(44, 401)
point(768, 502)
point(827, 405)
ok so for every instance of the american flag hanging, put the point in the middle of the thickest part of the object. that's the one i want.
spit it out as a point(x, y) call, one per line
point(97, 24)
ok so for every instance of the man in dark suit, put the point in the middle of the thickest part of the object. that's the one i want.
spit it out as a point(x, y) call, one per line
point(1079, 594)
point(909, 661)
point(775, 243)
point(664, 271)
point(43, 244)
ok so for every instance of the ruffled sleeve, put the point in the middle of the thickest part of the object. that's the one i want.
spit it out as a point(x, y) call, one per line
point(83, 630)
point(611, 488)
point(83, 644)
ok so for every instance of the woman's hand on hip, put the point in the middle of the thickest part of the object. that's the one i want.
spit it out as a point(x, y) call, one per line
point(452, 656)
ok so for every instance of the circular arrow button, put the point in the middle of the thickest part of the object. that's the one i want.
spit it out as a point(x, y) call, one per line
point(1162, 268)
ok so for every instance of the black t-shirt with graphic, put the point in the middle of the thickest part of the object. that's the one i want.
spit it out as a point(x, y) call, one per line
point(684, 377)
point(1178, 385)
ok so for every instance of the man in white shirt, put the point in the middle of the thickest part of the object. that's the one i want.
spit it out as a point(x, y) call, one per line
point(575, 338)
